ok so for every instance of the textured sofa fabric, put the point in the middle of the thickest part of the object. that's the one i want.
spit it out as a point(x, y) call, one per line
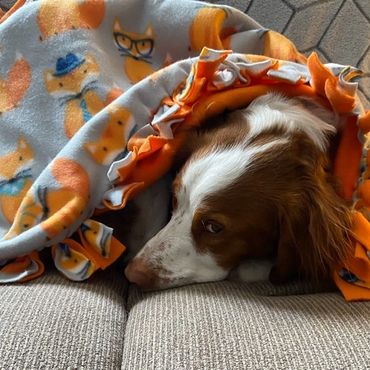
point(237, 326)
point(53, 323)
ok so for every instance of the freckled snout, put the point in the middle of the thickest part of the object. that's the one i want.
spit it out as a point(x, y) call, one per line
point(137, 272)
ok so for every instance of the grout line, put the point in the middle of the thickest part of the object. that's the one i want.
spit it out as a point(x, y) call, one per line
point(289, 20)
point(328, 60)
point(362, 11)
point(289, 5)
point(248, 7)
point(333, 19)
point(363, 56)
point(304, 7)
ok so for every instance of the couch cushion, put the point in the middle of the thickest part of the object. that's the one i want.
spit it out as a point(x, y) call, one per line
point(53, 323)
point(231, 325)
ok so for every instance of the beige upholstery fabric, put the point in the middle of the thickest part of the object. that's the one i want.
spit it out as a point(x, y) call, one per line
point(233, 326)
point(53, 323)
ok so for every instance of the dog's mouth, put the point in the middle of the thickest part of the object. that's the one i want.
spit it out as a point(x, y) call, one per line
point(153, 278)
point(157, 278)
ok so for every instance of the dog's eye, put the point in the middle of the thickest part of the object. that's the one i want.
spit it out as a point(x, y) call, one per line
point(212, 227)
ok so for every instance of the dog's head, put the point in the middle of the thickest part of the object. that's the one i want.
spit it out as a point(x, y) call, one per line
point(254, 185)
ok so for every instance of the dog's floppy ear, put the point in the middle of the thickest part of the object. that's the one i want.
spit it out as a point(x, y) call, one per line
point(314, 223)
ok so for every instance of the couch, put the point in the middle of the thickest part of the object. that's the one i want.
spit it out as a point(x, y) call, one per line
point(104, 323)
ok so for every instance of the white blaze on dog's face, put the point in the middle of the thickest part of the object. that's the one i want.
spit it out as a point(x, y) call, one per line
point(174, 252)
point(190, 248)
point(227, 195)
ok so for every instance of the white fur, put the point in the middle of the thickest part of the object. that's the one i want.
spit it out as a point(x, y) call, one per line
point(172, 253)
point(217, 171)
point(252, 270)
point(272, 110)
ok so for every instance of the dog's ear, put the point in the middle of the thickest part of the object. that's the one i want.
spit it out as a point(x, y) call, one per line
point(318, 110)
point(327, 116)
point(314, 223)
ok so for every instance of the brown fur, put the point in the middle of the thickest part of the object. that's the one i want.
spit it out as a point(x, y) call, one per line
point(285, 205)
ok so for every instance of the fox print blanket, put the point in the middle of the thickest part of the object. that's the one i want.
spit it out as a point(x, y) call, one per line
point(96, 97)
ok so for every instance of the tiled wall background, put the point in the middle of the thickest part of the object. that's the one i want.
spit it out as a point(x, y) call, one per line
point(339, 30)
point(6, 4)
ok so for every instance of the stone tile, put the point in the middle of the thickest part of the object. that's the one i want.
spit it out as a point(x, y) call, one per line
point(301, 3)
point(348, 36)
point(365, 63)
point(314, 20)
point(365, 83)
point(322, 57)
point(6, 4)
point(365, 7)
point(270, 14)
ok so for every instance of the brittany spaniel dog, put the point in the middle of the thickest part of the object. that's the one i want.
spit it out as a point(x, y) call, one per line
point(253, 184)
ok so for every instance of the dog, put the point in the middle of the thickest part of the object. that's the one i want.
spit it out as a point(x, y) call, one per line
point(251, 185)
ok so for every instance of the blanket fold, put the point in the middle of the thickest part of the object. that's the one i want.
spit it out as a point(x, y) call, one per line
point(96, 97)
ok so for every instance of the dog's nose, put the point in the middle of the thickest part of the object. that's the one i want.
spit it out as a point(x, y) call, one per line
point(138, 273)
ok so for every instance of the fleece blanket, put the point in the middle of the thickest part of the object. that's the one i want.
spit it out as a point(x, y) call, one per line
point(96, 97)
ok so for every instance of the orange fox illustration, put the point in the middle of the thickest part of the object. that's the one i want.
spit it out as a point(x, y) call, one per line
point(13, 88)
point(97, 236)
point(73, 264)
point(114, 137)
point(56, 16)
point(137, 50)
point(55, 209)
point(73, 82)
point(15, 178)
